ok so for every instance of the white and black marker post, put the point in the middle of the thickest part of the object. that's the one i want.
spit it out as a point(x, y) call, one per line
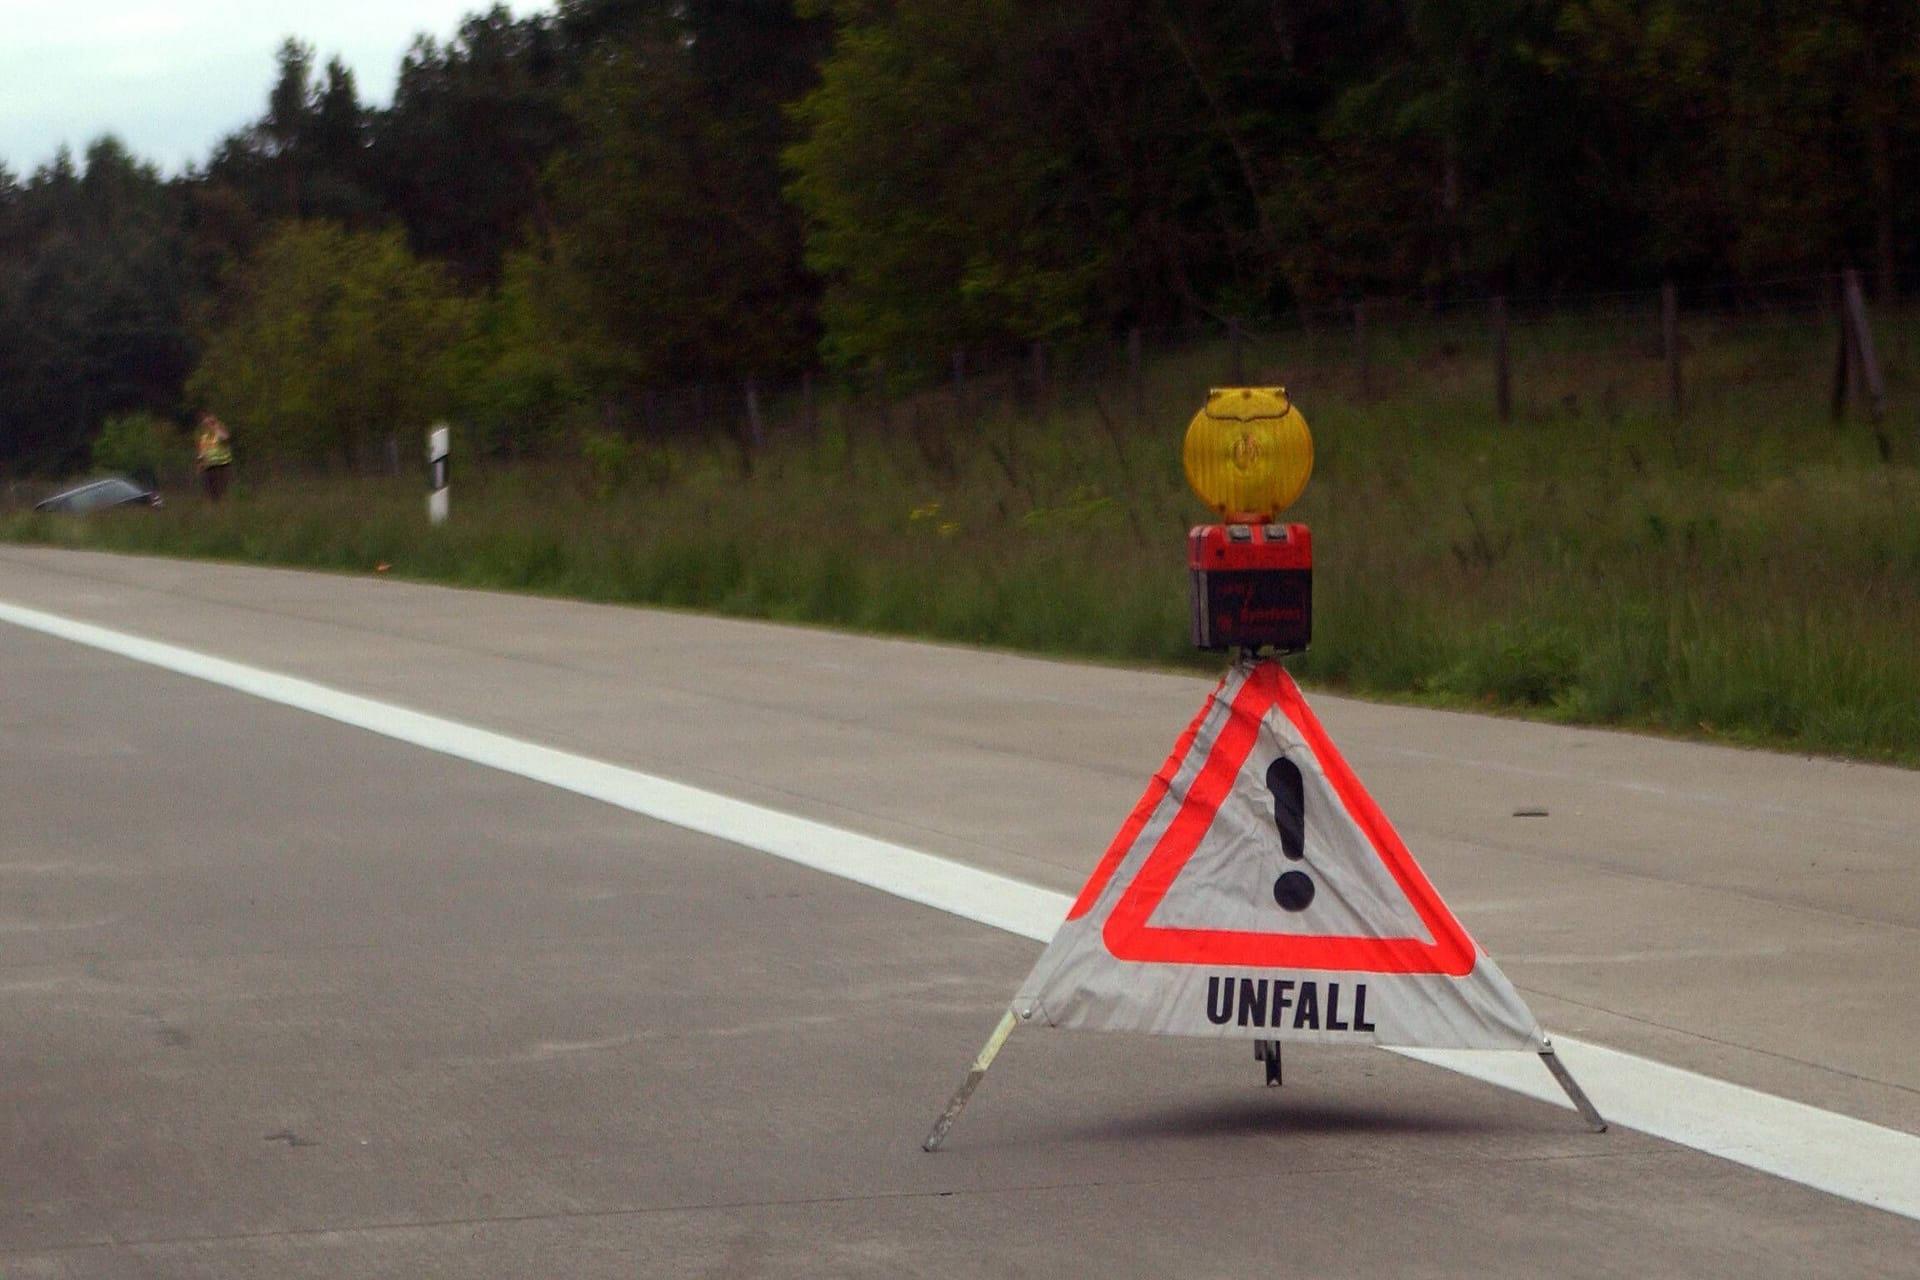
point(437, 474)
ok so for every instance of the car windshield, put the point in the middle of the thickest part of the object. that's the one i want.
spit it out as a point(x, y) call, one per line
point(103, 493)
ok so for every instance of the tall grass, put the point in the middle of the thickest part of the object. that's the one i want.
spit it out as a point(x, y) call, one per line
point(1749, 572)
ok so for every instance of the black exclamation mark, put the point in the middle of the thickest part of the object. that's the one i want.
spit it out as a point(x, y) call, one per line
point(1294, 889)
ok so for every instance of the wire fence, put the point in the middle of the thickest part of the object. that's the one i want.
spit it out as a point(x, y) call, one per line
point(1792, 347)
point(1787, 348)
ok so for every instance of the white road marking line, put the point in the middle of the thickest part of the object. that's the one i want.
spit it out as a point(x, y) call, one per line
point(907, 873)
point(1850, 1158)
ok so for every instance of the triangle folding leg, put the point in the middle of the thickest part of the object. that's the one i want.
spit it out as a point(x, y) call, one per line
point(984, 1059)
point(1581, 1103)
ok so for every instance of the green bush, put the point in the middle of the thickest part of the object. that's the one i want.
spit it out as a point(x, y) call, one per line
point(144, 446)
point(1529, 665)
point(610, 459)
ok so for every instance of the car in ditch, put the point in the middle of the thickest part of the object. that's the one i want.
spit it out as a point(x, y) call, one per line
point(104, 494)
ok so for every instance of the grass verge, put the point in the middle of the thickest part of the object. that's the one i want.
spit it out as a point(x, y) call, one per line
point(1750, 573)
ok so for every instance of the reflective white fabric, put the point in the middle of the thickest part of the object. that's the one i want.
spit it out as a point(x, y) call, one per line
point(1186, 928)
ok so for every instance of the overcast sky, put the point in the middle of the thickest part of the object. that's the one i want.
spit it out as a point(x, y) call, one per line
point(173, 77)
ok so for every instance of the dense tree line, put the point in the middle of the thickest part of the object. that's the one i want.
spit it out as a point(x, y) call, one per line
point(560, 210)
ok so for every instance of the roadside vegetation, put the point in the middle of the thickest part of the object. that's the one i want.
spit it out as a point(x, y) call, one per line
point(1748, 573)
point(891, 315)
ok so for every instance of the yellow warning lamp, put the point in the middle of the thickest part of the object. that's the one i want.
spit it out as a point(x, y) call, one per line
point(1248, 456)
point(1248, 453)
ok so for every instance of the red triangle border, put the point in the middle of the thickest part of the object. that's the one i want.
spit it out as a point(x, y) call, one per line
point(1129, 937)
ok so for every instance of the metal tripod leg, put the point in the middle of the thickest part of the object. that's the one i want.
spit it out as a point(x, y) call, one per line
point(988, 1052)
point(1268, 1051)
point(1581, 1102)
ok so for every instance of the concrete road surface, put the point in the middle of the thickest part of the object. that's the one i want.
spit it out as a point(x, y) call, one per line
point(281, 997)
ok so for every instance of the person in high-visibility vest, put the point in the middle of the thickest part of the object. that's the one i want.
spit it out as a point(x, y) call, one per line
point(213, 454)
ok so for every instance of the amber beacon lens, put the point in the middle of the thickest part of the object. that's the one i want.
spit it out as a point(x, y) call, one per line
point(1248, 453)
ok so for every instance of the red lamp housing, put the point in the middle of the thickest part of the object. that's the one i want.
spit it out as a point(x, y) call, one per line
point(1251, 586)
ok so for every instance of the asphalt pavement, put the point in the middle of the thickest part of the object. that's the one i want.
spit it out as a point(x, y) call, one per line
point(283, 997)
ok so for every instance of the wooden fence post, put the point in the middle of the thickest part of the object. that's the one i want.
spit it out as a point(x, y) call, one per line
point(1670, 344)
point(756, 426)
point(1502, 372)
point(1136, 378)
point(1360, 348)
point(1844, 367)
point(1854, 305)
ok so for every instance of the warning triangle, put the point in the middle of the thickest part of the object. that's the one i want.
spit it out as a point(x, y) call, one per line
point(1257, 891)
